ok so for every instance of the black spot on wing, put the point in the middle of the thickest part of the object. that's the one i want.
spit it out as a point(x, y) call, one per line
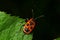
point(27, 24)
point(31, 23)
point(26, 29)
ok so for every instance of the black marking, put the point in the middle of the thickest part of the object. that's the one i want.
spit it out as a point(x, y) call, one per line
point(31, 27)
point(27, 24)
point(26, 29)
point(31, 23)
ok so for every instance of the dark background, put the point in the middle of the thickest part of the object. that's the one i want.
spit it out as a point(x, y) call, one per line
point(48, 27)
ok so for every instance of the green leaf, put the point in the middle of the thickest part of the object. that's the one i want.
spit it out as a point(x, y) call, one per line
point(58, 38)
point(11, 28)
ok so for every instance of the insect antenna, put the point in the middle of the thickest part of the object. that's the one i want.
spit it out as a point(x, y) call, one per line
point(32, 13)
point(36, 17)
point(39, 17)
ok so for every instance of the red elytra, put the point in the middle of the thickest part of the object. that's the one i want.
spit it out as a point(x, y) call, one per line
point(29, 26)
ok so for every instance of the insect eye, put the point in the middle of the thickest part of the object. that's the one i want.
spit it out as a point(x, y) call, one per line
point(26, 29)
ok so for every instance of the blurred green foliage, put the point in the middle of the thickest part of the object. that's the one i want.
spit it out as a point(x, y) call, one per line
point(58, 38)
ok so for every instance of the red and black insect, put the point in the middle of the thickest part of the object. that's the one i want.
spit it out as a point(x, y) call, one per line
point(30, 25)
